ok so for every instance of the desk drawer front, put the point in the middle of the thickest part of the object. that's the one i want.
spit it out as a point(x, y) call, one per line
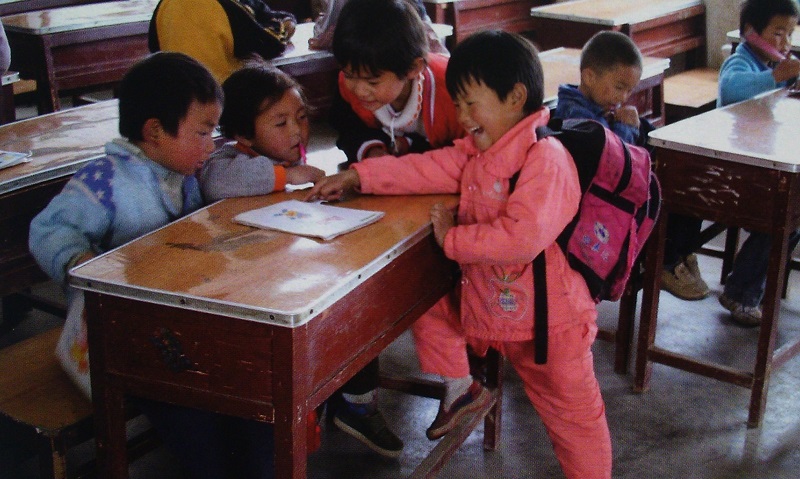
point(715, 189)
point(187, 349)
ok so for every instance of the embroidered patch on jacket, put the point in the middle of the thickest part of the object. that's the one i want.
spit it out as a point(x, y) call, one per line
point(509, 298)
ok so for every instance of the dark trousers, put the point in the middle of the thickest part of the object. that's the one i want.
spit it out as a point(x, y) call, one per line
point(683, 233)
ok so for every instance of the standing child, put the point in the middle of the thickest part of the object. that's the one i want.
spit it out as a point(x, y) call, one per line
point(392, 100)
point(751, 70)
point(611, 66)
point(496, 80)
point(169, 105)
point(266, 115)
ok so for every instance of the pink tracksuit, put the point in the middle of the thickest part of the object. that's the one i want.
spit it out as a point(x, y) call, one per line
point(496, 238)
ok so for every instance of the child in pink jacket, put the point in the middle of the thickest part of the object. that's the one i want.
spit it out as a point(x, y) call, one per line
point(496, 80)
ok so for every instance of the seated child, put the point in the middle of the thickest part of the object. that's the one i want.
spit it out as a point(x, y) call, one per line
point(393, 96)
point(265, 114)
point(611, 66)
point(751, 70)
point(169, 105)
point(497, 82)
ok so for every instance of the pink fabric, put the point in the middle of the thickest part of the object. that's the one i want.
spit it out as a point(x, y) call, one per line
point(564, 391)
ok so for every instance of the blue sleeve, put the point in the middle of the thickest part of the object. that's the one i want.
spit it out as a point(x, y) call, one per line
point(739, 81)
point(627, 133)
point(74, 222)
point(570, 109)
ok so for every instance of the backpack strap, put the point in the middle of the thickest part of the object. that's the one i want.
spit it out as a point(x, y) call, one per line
point(539, 280)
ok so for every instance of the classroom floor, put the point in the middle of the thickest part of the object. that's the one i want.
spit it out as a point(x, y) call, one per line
point(685, 426)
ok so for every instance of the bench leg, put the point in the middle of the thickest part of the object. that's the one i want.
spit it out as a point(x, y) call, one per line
point(52, 458)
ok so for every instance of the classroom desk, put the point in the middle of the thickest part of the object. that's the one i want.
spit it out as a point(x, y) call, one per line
point(60, 143)
point(255, 323)
point(734, 38)
point(738, 166)
point(9, 7)
point(8, 111)
point(562, 65)
point(72, 48)
point(316, 70)
point(660, 28)
point(469, 16)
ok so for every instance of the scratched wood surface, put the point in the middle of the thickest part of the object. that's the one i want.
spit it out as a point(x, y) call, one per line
point(612, 12)
point(207, 262)
point(762, 132)
point(78, 17)
point(59, 142)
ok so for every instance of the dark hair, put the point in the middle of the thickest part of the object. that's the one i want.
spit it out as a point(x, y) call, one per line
point(245, 92)
point(499, 60)
point(607, 49)
point(379, 35)
point(162, 86)
point(758, 13)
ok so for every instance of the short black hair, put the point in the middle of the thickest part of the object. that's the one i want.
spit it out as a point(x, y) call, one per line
point(499, 60)
point(607, 49)
point(379, 35)
point(163, 86)
point(245, 92)
point(758, 13)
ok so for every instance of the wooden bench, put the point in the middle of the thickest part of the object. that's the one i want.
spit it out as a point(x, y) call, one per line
point(36, 393)
point(690, 92)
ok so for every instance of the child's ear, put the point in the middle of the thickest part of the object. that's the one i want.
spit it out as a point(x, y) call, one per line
point(416, 68)
point(152, 130)
point(518, 94)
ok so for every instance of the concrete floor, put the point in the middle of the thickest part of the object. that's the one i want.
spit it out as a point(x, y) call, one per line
point(685, 426)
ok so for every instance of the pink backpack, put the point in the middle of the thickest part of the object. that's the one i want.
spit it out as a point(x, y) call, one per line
point(618, 210)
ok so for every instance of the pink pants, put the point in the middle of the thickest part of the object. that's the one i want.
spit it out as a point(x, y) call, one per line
point(564, 391)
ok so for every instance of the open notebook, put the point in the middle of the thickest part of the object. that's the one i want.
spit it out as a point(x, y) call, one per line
point(11, 158)
point(308, 219)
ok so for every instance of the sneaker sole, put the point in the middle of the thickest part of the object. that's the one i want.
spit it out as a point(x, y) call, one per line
point(356, 434)
point(480, 402)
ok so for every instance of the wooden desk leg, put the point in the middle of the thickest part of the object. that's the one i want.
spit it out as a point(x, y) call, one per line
point(627, 315)
point(493, 421)
point(46, 86)
point(654, 258)
point(776, 276)
point(291, 406)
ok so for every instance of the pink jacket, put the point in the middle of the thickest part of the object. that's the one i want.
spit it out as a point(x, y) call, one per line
point(498, 235)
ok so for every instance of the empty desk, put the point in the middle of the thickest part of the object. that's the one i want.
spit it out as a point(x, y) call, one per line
point(734, 38)
point(660, 28)
point(72, 48)
point(738, 166)
point(469, 16)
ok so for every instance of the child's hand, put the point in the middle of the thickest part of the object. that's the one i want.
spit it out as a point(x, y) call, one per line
point(627, 115)
point(375, 151)
point(442, 219)
point(297, 175)
point(786, 69)
point(333, 187)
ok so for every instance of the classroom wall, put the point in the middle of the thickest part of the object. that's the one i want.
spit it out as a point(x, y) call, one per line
point(722, 16)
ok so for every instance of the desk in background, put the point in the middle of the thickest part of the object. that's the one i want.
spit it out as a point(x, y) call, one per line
point(60, 143)
point(469, 16)
point(660, 28)
point(8, 111)
point(78, 47)
point(562, 65)
point(738, 166)
point(255, 323)
point(9, 7)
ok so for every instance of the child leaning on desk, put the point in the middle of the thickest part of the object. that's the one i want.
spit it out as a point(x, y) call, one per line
point(611, 66)
point(169, 105)
point(750, 70)
point(266, 116)
point(496, 80)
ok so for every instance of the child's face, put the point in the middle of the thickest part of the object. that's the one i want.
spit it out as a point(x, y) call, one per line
point(484, 116)
point(778, 34)
point(374, 91)
point(611, 87)
point(193, 144)
point(281, 128)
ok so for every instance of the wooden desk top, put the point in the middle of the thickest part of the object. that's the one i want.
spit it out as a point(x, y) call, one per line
point(60, 143)
point(298, 50)
point(80, 17)
point(562, 65)
point(612, 12)
point(733, 37)
point(762, 132)
point(206, 262)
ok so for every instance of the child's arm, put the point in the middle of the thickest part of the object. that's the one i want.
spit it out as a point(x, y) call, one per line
point(787, 69)
point(739, 80)
point(334, 187)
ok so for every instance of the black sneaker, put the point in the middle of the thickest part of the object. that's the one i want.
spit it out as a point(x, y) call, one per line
point(371, 429)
